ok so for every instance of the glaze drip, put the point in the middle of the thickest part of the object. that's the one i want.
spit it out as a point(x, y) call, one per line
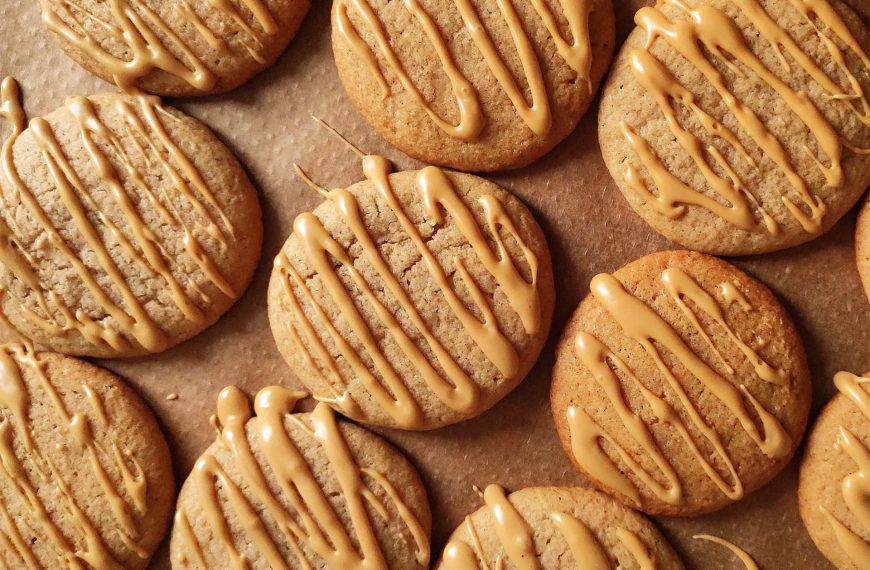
point(643, 325)
point(707, 36)
point(150, 43)
point(25, 470)
point(741, 554)
point(855, 487)
point(112, 157)
point(537, 115)
point(311, 527)
point(517, 539)
point(453, 386)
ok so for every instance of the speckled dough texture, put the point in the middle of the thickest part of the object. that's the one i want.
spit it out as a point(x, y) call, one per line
point(823, 469)
point(766, 328)
point(231, 65)
point(403, 258)
point(862, 245)
point(624, 99)
point(599, 513)
point(369, 452)
point(222, 174)
point(505, 141)
point(131, 427)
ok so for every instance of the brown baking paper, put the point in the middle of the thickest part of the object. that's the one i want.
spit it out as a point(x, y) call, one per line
point(590, 229)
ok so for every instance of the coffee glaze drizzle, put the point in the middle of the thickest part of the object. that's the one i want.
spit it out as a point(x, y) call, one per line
point(518, 541)
point(144, 131)
point(856, 486)
point(708, 35)
point(537, 116)
point(642, 324)
point(311, 525)
point(137, 26)
point(741, 554)
point(458, 391)
point(19, 454)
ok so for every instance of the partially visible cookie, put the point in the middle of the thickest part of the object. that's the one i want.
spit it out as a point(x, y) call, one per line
point(835, 476)
point(415, 299)
point(300, 491)
point(476, 85)
point(862, 245)
point(86, 478)
point(127, 227)
point(740, 126)
point(680, 384)
point(556, 528)
point(180, 48)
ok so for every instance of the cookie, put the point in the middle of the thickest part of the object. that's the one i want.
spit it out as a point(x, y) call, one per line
point(835, 476)
point(86, 478)
point(179, 49)
point(862, 245)
point(299, 491)
point(126, 226)
point(680, 384)
point(556, 528)
point(477, 85)
point(412, 300)
point(738, 126)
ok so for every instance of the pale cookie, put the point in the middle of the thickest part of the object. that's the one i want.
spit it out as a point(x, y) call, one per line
point(126, 226)
point(476, 85)
point(86, 478)
point(555, 528)
point(413, 300)
point(179, 48)
point(680, 384)
point(835, 476)
point(738, 126)
point(299, 491)
point(862, 245)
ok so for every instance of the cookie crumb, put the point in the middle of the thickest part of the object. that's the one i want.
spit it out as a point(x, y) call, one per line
point(172, 397)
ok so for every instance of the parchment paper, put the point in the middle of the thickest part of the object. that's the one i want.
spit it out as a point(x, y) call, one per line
point(590, 229)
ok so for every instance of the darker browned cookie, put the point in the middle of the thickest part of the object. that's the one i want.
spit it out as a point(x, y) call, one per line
point(740, 126)
point(862, 245)
point(476, 85)
point(179, 48)
point(86, 478)
point(680, 384)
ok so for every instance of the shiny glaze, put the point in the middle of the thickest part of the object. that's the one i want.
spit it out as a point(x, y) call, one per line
point(642, 324)
point(741, 554)
point(458, 391)
point(537, 115)
point(120, 324)
point(703, 37)
point(312, 526)
point(26, 470)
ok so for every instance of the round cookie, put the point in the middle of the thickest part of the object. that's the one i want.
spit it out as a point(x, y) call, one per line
point(751, 152)
point(477, 85)
point(862, 245)
point(834, 475)
point(177, 49)
point(680, 384)
point(87, 476)
point(562, 528)
point(127, 227)
point(412, 300)
point(303, 491)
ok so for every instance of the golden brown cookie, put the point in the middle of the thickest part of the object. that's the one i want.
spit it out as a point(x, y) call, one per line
point(476, 85)
point(834, 489)
point(736, 126)
point(415, 299)
point(299, 491)
point(179, 48)
point(680, 384)
point(862, 245)
point(86, 477)
point(126, 226)
point(559, 528)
